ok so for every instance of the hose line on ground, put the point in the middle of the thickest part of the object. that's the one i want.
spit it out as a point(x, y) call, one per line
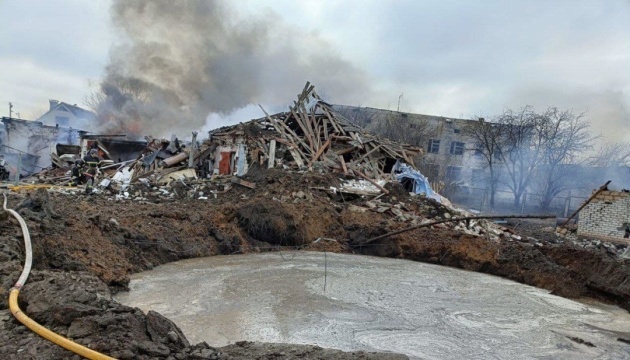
point(30, 323)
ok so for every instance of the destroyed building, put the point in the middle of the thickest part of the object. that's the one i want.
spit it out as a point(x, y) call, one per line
point(29, 143)
point(606, 217)
point(311, 135)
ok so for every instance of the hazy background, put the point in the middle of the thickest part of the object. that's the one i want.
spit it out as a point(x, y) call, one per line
point(197, 62)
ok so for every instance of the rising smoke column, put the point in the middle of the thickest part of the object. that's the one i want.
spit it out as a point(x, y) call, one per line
point(178, 61)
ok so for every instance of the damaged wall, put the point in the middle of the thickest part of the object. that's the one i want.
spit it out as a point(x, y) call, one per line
point(607, 216)
point(230, 160)
point(35, 140)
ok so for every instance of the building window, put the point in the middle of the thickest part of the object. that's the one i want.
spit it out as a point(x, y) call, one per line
point(434, 146)
point(62, 120)
point(457, 148)
point(456, 131)
point(453, 173)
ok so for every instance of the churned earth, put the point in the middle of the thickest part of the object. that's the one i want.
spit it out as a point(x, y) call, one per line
point(86, 247)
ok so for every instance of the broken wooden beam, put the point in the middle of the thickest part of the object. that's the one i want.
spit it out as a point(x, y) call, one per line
point(371, 181)
point(343, 165)
point(319, 152)
point(272, 154)
point(174, 160)
point(247, 184)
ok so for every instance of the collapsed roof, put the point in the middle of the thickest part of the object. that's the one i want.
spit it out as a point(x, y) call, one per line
point(310, 135)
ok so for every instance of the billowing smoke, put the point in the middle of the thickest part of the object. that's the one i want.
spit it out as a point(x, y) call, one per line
point(179, 61)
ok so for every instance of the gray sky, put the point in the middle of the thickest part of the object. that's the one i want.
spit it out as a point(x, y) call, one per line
point(451, 58)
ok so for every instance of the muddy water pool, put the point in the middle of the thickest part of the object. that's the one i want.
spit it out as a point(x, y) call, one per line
point(354, 302)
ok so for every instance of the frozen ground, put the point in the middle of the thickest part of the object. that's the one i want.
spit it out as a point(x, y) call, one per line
point(379, 304)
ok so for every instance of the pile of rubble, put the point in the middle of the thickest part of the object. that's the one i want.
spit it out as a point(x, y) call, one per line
point(310, 136)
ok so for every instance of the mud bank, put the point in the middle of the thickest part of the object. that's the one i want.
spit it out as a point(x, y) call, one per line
point(92, 244)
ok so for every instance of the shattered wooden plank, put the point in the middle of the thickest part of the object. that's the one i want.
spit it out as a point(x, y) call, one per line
point(343, 164)
point(345, 151)
point(247, 184)
point(407, 159)
point(366, 155)
point(297, 157)
point(303, 113)
point(302, 126)
point(286, 142)
point(272, 121)
point(272, 154)
point(173, 160)
point(295, 137)
point(333, 121)
point(319, 153)
point(371, 181)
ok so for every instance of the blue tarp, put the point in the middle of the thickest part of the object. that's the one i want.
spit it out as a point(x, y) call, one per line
point(420, 182)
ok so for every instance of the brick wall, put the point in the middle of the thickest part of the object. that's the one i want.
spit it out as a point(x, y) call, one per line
point(606, 216)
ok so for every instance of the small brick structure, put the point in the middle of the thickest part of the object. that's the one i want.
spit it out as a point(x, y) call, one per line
point(606, 217)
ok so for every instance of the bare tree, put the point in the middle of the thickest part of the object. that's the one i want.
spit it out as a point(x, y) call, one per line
point(360, 116)
point(566, 136)
point(488, 140)
point(402, 129)
point(610, 154)
point(521, 149)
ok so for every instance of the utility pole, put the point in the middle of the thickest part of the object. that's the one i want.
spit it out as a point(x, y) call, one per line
point(400, 97)
point(10, 109)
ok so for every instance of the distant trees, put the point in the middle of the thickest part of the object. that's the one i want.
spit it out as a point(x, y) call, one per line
point(529, 146)
point(395, 126)
point(403, 129)
point(610, 155)
point(358, 115)
point(566, 137)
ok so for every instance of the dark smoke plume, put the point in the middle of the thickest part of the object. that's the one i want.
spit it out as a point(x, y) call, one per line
point(178, 61)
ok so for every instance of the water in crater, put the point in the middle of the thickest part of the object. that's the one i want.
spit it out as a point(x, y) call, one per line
point(352, 302)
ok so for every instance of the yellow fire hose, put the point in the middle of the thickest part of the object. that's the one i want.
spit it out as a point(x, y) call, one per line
point(30, 323)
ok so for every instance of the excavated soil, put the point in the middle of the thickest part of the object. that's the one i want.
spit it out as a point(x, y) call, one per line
point(85, 247)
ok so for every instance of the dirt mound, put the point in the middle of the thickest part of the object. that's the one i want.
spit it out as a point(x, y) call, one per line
point(271, 223)
point(38, 202)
